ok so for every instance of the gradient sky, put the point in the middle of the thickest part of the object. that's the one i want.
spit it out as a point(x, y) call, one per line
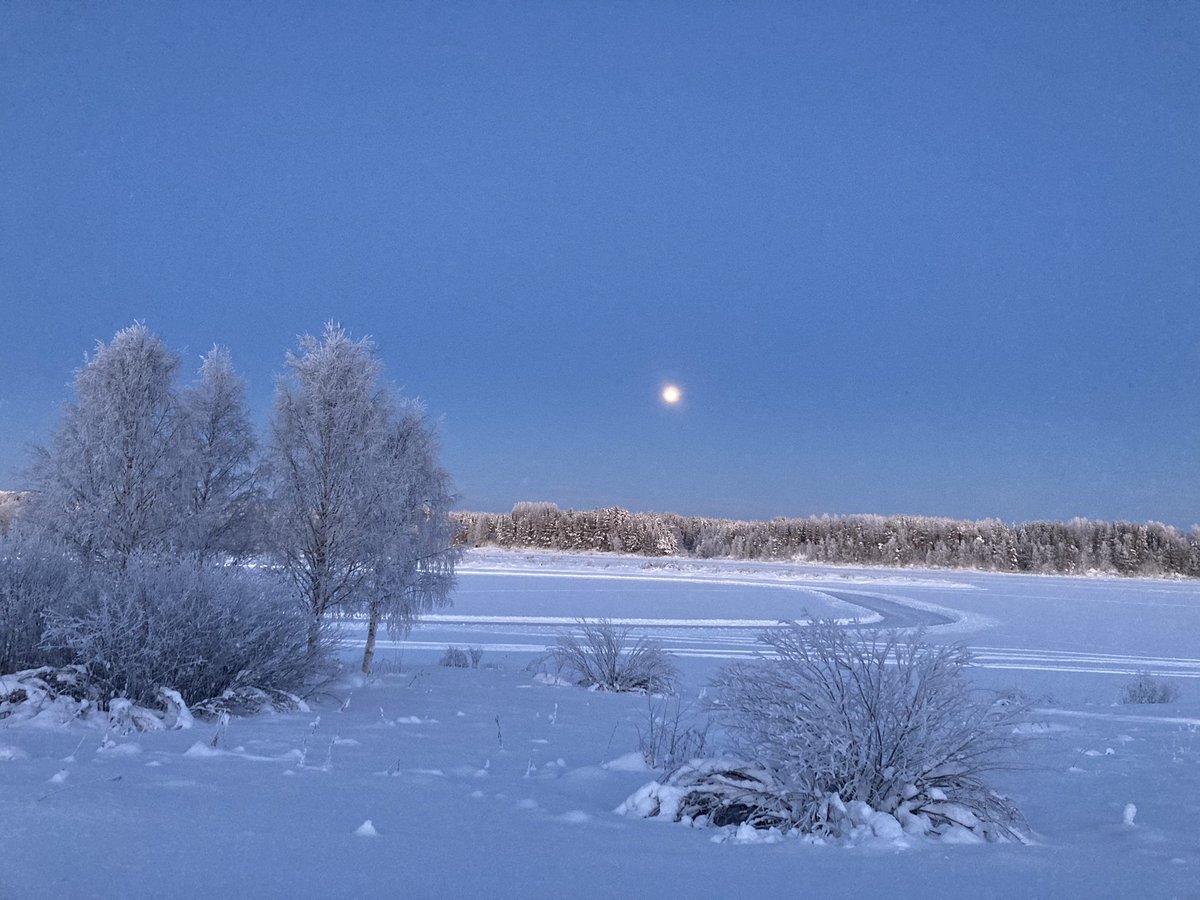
point(901, 257)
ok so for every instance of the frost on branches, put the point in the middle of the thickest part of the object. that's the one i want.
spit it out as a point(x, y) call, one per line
point(842, 733)
point(359, 502)
point(123, 564)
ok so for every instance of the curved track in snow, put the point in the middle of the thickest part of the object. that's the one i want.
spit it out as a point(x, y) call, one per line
point(525, 616)
point(894, 612)
point(881, 610)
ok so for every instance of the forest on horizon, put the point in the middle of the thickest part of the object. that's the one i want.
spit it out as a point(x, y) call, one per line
point(1076, 547)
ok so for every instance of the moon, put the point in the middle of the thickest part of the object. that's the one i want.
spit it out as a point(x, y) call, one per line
point(671, 395)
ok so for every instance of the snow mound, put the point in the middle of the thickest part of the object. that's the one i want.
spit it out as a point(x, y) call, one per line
point(111, 748)
point(125, 717)
point(205, 750)
point(1036, 728)
point(51, 697)
point(201, 750)
point(9, 753)
point(44, 696)
point(629, 762)
point(552, 680)
point(178, 715)
point(747, 834)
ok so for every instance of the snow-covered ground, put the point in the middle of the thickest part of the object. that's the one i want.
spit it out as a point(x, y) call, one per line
point(434, 782)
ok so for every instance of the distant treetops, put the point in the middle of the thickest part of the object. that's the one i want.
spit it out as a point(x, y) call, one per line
point(1076, 547)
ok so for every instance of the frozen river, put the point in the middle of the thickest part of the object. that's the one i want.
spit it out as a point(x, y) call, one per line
point(510, 603)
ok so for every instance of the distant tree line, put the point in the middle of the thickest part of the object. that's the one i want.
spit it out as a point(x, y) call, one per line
point(1123, 548)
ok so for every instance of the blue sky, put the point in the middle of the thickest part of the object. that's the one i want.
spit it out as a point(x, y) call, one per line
point(901, 257)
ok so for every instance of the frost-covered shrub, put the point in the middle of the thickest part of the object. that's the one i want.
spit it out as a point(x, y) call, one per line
point(36, 577)
point(457, 658)
point(604, 657)
point(201, 630)
point(454, 658)
point(1147, 688)
point(842, 723)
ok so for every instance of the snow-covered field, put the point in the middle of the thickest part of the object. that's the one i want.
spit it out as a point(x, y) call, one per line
point(492, 782)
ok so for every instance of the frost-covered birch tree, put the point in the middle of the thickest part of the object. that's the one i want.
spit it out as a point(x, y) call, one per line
point(136, 466)
point(359, 504)
point(416, 574)
point(109, 484)
point(221, 475)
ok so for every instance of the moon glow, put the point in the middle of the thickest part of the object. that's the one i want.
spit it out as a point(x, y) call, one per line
point(671, 395)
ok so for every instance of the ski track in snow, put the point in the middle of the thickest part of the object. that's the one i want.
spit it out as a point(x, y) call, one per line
point(718, 638)
point(1025, 659)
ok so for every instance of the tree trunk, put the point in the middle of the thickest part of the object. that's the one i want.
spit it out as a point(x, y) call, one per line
point(316, 605)
point(314, 635)
point(372, 630)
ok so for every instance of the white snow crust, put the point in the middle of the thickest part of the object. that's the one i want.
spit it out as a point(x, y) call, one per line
point(274, 804)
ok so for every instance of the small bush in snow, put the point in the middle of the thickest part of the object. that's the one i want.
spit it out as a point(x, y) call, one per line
point(843, 724)
point(457, 658)
point(1147, 688)
point(454, 658)
point(603, 657)
point(203, 631)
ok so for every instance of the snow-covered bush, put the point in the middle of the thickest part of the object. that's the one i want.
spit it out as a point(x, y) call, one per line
point(454, 658)
point(1148, 688)
point(841, 723)
point(604, 657)
point(36, 577)
point(457, 658)
point(203, 631)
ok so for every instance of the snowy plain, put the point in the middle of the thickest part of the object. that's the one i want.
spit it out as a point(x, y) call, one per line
point(426, 781)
